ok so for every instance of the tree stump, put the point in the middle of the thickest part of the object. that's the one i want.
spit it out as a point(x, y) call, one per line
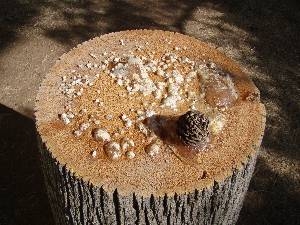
point(89, 183)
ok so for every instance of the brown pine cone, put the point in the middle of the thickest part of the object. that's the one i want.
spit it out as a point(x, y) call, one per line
point(192, 128)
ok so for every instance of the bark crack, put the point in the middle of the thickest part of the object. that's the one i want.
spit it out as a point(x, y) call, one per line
point(154, 210)
point(146, 217)
point(81, 203)
point(135, 206)
point(117, 206)
point(102, 202)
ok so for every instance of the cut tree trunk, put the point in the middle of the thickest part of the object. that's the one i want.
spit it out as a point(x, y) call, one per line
point(208, 190)
point(74, 201)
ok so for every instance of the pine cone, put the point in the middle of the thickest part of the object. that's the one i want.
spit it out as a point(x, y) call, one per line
point(192, 128)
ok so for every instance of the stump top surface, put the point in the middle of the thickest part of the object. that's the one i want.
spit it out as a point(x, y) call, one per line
point(100, 100)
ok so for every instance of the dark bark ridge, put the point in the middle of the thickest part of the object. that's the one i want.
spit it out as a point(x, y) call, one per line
point(74, 201)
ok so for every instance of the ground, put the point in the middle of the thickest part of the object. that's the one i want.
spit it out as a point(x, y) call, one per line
point(262, 36)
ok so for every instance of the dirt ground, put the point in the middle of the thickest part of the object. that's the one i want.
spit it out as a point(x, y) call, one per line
point(263, 36)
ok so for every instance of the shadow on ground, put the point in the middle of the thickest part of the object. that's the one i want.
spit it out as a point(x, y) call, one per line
point(23, 198)
point(86, 19)
point(271, 28)
point(275, 27)
point(269, 199)
point(13, 15)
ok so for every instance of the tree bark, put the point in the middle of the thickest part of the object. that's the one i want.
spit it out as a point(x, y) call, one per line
point(74, 201)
